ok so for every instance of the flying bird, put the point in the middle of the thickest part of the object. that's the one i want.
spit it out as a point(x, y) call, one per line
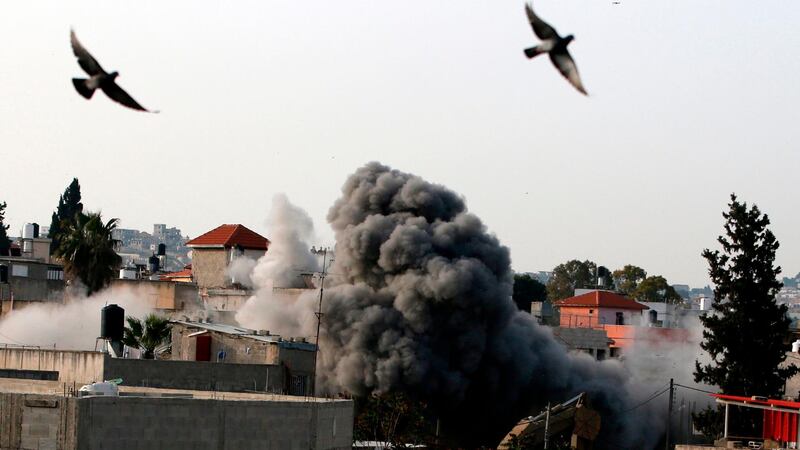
point(555, 46)
point(99, 78)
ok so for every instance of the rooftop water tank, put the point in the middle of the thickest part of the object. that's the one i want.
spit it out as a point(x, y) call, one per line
point(796, 346)
point(112, 322)
point(128, 273)
point(104, 388)
point(153, 264)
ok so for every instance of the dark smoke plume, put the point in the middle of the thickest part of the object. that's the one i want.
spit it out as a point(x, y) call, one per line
point(421, 303)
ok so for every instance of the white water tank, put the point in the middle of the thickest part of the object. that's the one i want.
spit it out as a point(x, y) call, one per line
point(705, 303)
point(28, 231)
point(796, 346)
point(127, 273)
point(104, 388)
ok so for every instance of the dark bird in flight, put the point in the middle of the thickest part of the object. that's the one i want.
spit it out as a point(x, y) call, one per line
point(99, 78)
point(555, 46)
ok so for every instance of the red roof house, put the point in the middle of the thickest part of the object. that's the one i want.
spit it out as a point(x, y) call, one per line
point(228, 236)
point(214, 251)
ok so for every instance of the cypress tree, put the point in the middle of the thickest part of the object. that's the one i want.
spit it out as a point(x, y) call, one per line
point(744, 333)
point(69, 204)
point(5, 242)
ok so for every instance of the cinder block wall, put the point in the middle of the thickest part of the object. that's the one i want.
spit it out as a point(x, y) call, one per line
point(137, 422)
point(195, 375)
point(37, 422)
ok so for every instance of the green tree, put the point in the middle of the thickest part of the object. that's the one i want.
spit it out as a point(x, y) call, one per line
point(5, 242)
point(656, 289)
point(88, 251)
point(628, 278)
point(527, 290)
point(744, 332)
point(568, 276)
point(148, 334)
point(394, 419)
point(69, 204)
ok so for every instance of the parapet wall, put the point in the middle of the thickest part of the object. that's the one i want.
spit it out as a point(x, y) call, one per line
point(140, 422)
point(79, 367)
point(195, 375)
point(122, 423)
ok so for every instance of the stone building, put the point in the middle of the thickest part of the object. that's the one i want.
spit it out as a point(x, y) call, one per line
point(215, 250)
point(203, 341)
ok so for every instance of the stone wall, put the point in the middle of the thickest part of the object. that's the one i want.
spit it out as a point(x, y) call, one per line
point(208, 267)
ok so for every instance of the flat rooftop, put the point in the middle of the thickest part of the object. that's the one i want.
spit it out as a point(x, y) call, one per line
point(18, 386)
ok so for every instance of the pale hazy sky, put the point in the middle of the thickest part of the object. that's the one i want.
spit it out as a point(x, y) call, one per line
point(690, 100)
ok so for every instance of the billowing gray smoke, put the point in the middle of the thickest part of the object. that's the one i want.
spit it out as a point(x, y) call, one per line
point(421, 302)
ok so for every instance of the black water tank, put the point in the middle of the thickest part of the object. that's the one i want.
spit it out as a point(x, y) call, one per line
point(112, 322)
point(35, 230)
point(153, 264)
point(162, 250)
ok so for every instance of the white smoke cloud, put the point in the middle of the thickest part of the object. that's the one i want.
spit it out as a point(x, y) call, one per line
point(74, 325)
point(278, 305)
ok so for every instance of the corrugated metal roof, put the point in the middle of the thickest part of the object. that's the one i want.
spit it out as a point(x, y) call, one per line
point(248, 333)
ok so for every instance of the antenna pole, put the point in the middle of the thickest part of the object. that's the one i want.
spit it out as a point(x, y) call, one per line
point(319, 321)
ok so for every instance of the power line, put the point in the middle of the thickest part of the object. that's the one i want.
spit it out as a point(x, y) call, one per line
point(653, 397)
point(695, 389)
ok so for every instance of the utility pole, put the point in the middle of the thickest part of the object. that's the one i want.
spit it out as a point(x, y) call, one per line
point(546, 425)
point(319, 320)
point(669, 409)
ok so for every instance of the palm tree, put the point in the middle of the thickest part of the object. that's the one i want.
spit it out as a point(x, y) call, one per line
point(147, 335)
point(88, 250)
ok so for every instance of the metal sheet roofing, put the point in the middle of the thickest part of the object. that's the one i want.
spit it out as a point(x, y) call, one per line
point(248, 333)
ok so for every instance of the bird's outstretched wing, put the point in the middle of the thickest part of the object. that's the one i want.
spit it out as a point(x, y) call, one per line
point(542, 30)
point(85, 59)
point(566, 65)
point(116, 93)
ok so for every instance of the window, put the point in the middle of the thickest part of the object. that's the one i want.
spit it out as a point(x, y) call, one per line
point(616, 352)
point(298, 385)
point(18, 270)
point(591, 311)
point(620, 319)
point(601, 354)
point(55, 273)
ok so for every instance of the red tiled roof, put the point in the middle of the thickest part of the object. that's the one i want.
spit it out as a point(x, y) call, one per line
point(601, 299)
point(185, 273)
point(230, 235)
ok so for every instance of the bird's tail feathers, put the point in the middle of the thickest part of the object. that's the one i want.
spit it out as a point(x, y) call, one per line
point(533, 51)
point(80, 86)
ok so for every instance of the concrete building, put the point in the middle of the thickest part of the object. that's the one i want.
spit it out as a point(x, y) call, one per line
point(215, 250)
point(167, 296)
point(45, 415)
point(592, 341)
point(623, 320)
point(597, 308)
point(32, 276)
point(288, 373)
point(293, 357)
